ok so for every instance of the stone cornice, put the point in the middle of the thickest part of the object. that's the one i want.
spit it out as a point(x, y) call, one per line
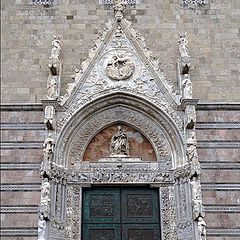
point(21, 107)
point(218, 106)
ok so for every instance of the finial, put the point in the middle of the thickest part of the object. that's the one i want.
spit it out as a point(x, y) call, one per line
point(119, 7)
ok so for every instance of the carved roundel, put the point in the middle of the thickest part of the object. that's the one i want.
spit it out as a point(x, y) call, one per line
point(118, 65)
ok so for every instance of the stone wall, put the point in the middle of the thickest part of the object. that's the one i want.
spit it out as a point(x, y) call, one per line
point(22, 136)
point(213, 33)
point(218, 129)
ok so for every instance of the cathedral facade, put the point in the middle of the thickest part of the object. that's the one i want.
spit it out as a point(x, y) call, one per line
point(120, 120)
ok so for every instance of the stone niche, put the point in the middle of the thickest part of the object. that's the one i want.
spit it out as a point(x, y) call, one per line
point(99, 146)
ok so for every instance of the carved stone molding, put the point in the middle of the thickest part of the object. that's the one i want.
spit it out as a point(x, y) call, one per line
point(12, 232)
point(20, 166)
point(21, 145)
point(217, 125)
point(19, 209)
point(234, 232)
point(222, 209)
point(218, 144)
point(168, 213)
point(221, 186)
point(122, 110)
point(220, 165)
point(21, 187)
point(22, 126)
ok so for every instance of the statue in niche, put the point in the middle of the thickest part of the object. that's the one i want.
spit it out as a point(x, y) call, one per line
point(183, 42)
point(41, 228)
point(54, 62)
point(119, 143)
point(45, 191)
point(187, 87)
point(52, 87)
point(191, 116)
point(198, 210)
point(201, 228)
point(120, 67)
point(183, 49)
point(192, 148)
point(49, 117)
point(48, 147)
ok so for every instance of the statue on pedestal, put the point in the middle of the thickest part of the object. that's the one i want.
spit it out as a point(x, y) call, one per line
point(183, 49)
point(186, 87)
point(201, 228)
point(49, 117)
point(41, 228)
point(119, 143)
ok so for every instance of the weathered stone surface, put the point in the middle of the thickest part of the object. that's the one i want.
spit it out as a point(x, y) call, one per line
point(221, 175)
point(22, 220)
point(221, 197)
point(20, 198)
point(24, 176)
point(22, 155)
point(212, 33)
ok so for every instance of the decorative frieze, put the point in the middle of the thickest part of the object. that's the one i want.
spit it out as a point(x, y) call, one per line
point(218, 144)
point(194, 3)
point(20, 166)
point(227, 232)
point(110, 2)
point(221, 186)
point(217, 125)
point(43, 2)
point(22, 126)
point(21, 145)
point(12, 232)
point(21, 187)
point(222, 208)
point(220, 165)
point(19, 209)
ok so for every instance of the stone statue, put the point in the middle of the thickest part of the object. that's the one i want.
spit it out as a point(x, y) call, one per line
point(119, 143)
point(191, 116)
point(45, 191)
point(120, 67)
point(48, 147)
point(52, 87)
point(186, 87)
point(183, 49)
point(201, 228)
point(183, 42)
point(41, 228)
point(119, 6)
point(49, 118)
point(192, 148)
point(198, 210)
point(54, 61)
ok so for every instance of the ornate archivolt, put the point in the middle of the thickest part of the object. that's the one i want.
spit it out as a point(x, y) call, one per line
point(121, 83)
point(149, 120)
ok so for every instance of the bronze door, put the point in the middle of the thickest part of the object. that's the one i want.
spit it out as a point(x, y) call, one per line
point(121, 214)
